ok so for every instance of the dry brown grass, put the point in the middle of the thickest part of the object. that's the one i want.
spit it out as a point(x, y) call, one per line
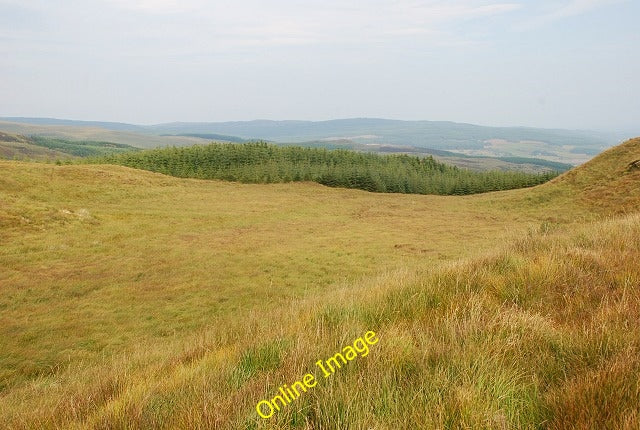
point(608, 182)
point(134, 300)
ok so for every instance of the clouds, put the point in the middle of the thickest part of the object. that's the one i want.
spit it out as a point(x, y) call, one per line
point(281, 22)
point(242, 23)
point(482, 61)
point(223, 26)
point(157, 6)
point(578, 7)
point(558, 10)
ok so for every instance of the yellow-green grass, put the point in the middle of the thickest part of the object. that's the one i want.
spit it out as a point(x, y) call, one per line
point(543, 333)
point(609, 182)
point(135, 300)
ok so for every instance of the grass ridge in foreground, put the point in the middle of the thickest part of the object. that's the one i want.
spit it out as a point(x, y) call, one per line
point(259, 162)
point(542, 334)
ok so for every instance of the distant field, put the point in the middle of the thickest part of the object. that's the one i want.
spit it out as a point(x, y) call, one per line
point(137, 300)
point(567, 153)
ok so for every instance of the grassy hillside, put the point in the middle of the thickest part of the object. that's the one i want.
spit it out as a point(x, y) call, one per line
point(48, 148)
point(543, 333)
point(609, 182)
point(82, 148)
point(16, 147)
point(137, 300)
point(98, 134)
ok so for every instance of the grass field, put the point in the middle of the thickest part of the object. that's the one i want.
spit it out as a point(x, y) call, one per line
point(136, 300)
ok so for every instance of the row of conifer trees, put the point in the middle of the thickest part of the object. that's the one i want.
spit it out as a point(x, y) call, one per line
point(259, 162)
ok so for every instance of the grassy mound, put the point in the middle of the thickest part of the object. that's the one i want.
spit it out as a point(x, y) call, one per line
point(610, 180)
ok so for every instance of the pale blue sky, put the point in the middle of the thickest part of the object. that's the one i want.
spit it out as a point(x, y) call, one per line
point(548, 63)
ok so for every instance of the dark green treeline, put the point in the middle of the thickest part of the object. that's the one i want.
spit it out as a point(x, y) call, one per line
point(260, 162)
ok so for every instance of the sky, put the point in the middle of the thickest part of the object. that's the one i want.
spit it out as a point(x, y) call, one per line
point(544, 63)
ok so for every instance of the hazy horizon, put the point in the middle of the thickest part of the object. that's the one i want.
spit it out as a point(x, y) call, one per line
point(8, 118)
point(553, 64)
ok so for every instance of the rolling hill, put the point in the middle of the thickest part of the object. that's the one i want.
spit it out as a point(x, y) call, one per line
point(566, 146)
point(49, 149)
point(21, 147)
point(477, 163)
point(137, 300)
point(69, 141)
point(98, 134)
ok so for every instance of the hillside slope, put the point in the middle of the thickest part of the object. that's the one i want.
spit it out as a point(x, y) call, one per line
point(136, 300)
point(21, 147)
point(541, 334)
point(39, 148)
point(610, 181)
point(94, 133)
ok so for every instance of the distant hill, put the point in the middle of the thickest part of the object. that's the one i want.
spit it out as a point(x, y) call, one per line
point(22, 148)
point(477, 163)
point(48, 148)
point(99, 134)
point(567, 146)
point(75, 123)
point(50, 142)
point(212, 136)
point(570, 145)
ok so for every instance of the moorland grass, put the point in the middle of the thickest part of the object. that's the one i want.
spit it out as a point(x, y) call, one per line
point(135, 300)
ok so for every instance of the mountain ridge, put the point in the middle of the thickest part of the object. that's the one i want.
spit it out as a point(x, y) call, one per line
point(566, 146)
